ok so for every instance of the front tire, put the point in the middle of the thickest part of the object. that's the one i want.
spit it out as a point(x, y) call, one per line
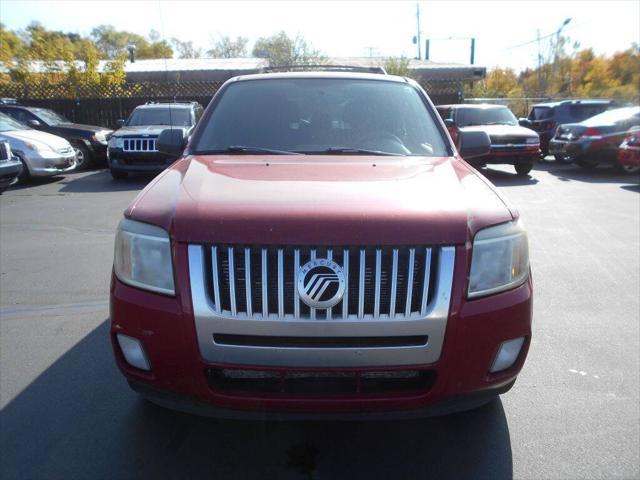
point(83, 157)
point(523, 168)
point(24, 176)
point(118, 175)
point(628, 169)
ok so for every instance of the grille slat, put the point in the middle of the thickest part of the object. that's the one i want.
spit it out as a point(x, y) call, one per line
point(261, 282)
point(139, 145)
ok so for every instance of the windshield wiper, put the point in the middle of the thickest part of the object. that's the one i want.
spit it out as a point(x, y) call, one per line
point(354, 151)
point(248, 150)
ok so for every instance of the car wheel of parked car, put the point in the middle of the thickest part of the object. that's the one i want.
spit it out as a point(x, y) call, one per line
point(563, 159)
point(118, 175)
point(586, 164)
point(628, 169)
point(24, 174)
point(83, 157)
point(523, 168)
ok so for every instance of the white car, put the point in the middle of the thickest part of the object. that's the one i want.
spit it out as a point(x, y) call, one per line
point(41, 153)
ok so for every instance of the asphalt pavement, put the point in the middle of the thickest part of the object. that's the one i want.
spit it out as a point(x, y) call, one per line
point(66, 412)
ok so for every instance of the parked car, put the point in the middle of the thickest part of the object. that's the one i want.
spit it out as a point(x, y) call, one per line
point(88, 141)
point(544, 118)
point(40, 153)
point(320, 249)
point(10, 166)
point(510, 143)
point(132, 148)
point(596, 140)
point(629, 151)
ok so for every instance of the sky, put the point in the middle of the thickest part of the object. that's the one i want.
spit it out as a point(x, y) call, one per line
point(357, 28)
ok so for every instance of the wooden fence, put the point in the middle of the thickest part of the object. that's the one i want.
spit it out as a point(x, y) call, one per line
point(104, 105)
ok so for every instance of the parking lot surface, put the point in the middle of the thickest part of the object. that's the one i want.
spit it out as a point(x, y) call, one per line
point(574, 412)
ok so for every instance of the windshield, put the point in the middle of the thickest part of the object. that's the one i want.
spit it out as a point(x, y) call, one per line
point(177, 117)
point(49, 116)
point(540, 113)
point(485, 116)
point(8, 124)
point(612, 116)
point(311, 115)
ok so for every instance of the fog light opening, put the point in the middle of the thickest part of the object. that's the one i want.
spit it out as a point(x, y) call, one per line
point(133, 352)
point(507, 354)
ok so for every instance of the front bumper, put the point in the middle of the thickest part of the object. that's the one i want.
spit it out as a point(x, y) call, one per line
point(509, 156)
point(98, 149)
point(166, 328)
point(595, 149)
point(47, 165)
point(9, 172)
point(137, 162)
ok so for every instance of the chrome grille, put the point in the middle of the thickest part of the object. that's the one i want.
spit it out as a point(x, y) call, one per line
point(260, 282)
point(64, 150)
point(139, 144)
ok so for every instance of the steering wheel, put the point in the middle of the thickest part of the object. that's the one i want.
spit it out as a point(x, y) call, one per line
point(385, 141)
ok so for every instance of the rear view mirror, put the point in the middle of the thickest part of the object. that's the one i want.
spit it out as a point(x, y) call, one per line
point(473, 144)
point(33, 123)
point(524, 122)
point(172, 141)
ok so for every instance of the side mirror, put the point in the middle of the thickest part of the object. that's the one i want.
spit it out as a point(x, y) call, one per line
point(34, 123)
point(449, 123)
point(524, 122)
point(473, 144)
point(120, 122)
point(172, 141)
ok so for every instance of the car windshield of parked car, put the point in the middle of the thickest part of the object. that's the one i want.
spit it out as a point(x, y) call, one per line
point(485, 116)
point(612, 116)
point(322, 116)
point(49, 116)
point(177, 117)
point(8, 124)
point(540, 113)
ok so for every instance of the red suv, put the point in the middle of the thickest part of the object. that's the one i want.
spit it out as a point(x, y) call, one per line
point(320, 249)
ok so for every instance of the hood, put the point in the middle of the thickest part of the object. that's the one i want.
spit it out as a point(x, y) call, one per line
point(319, 200)
point(150, 130)
point(503, 133)
point(76, 128)
point(37, 136)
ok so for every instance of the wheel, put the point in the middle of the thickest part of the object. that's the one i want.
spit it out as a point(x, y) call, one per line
point(118, 175)
point(83, 157)
point(523, 168)
point(586, 164)
point(628, 169)
point(563, 159)
point(24, 176)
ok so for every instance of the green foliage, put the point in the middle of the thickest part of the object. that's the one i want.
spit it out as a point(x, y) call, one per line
point(226, 47)
point(280, 50)
point(111, 43)
point(397, 66)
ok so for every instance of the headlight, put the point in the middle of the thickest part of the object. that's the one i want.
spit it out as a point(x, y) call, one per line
point(116, 142)
point(500, 259)
point(38, 147)
point(532, 141)
point(143, 257)
point(101, 136)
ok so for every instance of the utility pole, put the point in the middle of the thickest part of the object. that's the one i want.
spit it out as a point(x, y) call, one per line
point(418, 40)
point(539, 63)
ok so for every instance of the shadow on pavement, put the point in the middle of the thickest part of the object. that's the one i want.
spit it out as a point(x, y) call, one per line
point(600, 174)
point(78, 419)
point(101, 181)
point(501, 178)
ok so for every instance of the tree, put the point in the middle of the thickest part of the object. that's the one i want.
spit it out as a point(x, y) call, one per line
point(279, 49)
point(226, 47)
point(397, 66)
point(11, 46)
point(112, 43)
point(186, 49)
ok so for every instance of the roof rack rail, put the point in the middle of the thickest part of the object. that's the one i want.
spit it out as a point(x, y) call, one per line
point(158, 102)
point(326, 68)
